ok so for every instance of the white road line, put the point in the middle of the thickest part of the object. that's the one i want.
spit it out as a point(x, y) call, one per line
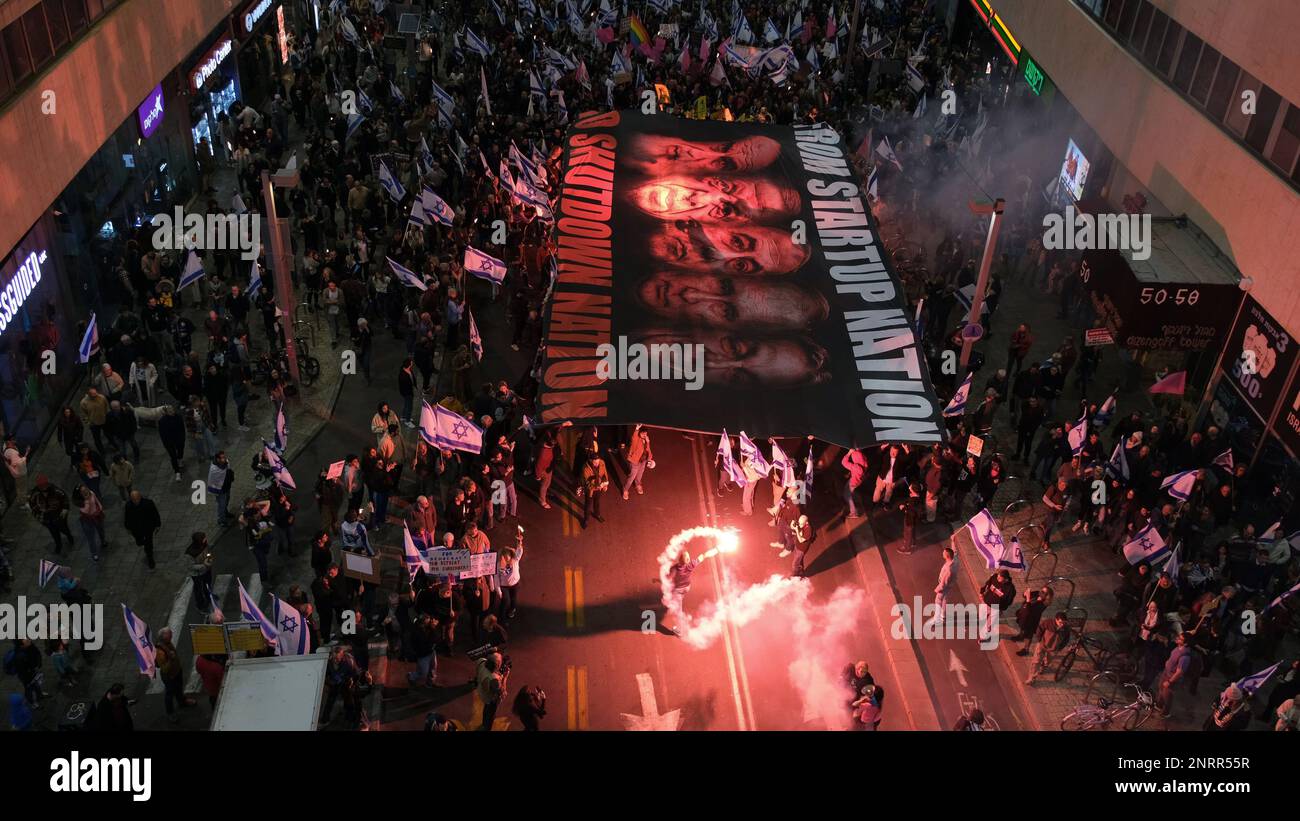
point(180, 606)
point(220, 586)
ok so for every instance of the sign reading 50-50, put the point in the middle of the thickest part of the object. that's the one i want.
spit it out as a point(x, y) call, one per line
point(1178, 296)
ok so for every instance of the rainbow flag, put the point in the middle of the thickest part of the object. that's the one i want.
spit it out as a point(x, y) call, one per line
point(638, 31)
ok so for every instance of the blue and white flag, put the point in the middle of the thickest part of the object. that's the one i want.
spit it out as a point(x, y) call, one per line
point(1013, 558)
point(89, 341)
point(278, 468)
point(782, 463)
point(709, 25)
point(355, 119)
point(249, 611)
point(484, 266)
point(1147, 545)
point(750, 451)
point(46, 572)
point(796, 30)
point(535, 85)
point(1180, 484)
point(1251, 683)
point(142, 643)
point(396, 93)
point(527, 193)
point(915, 80)
point(727, 462)
point(1172, 566)
point(987, 538)
point(740, 30)
point(349, 31)
point(394, 188)
point(1104, 413)
point(406, 275)
point(291, 634)
point(215, 615)
point(659, 6)
point(501, 15)
point(770, 32)
point(528, 7)
point(446, 102)
point(475, 340)
point(364, 102)
point(619, 64)
point(814, 63)
point(446, 429)
point(919, 111)
point(957, 405)
point(426, 157)
point(1118, 464)
point(411, 556)
point(808, 475)
point(435, 207)
point(281, 429)
point(254, 280)
point(487, 101)
point(1224, 460)
point(873, 181)
point(1078, 435)
point(1286, 593)
point(193, 271)
point(476, 43)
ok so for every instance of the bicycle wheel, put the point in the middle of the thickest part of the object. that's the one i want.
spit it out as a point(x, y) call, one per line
point(312, 366)
point(1137, 716)
point(1079, 719)
point(1066, 663)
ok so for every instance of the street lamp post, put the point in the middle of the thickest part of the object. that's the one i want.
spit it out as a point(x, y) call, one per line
point(280, 263)
point(981, 286)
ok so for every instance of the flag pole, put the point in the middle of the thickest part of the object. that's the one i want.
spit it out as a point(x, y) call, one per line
point(977, 301)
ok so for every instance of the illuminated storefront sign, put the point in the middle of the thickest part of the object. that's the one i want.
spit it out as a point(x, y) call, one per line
point(20, 286)
point(254, 15)
point(1034, 75)
point(209, 65)
point(150, 112)
point(1000, 31)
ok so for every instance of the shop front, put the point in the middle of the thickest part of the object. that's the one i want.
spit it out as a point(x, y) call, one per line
point(213, 86)
point(262, 42)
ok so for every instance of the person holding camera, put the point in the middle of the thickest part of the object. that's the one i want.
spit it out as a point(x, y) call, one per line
point(595, 481)
point(490, 681)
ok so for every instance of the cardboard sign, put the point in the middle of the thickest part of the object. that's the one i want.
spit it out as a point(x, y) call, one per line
point(360, 566)
point(335, 471)
point(444, 562)
point(1092, 337)
point(481, 564)
point(975, 446)
point(247, 637)
point(208, 639)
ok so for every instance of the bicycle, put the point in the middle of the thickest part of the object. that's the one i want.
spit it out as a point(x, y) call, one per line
point(1102, 658)
point(1105, 713)
point(308, 365)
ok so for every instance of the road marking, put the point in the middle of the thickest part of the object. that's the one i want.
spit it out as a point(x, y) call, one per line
point(708, 513)
point(955, 666)
point(574, 612)
point(220, 585)
point(650, 719)
point(175, 620)
point(577, 697)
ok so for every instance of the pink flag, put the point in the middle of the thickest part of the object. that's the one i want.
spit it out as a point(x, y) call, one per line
point(685, 59)
point(605, 35)
point(830, 24)
point(1175, 383)
point(705, 48)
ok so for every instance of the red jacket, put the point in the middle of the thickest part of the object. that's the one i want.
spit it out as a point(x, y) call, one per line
point(856, 464)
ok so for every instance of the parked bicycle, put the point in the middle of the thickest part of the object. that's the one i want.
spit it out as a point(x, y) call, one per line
point(1103, 658)
point(1105, 713)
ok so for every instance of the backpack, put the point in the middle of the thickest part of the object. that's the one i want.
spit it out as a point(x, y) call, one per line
point(11, 662)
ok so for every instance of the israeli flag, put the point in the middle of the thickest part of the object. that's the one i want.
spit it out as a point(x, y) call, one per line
point(957, 405)
point(417, 215)
point(1251, 684)
point(782, 463)
point(523, 163)
point(215, 616)
point(291, 633)
point(770, 32)
point(445, 101)
point(193, 271)
point(1104, 413)
point(619, 64)
point(278, 468)
point(406, 275)
point(435, 208)
point(1223, 460)
point(446, 429)
point(281, 429)
point(741, 32)
point(475, 341)
point(249, 611)
point(355, 119)
point(89, 342)
point(812, 60)
point(527, 193)
point(484, 266)
point(561, 110)
point(808, 474)
point(46, 572)
point(487, 101)
point(1282, 597)
point(919, 111)
point(1172, 566)
point(660, 6)
point(349, 31)
point(1013, 557)
point(254, 280)
point(476, 43)
point(709, 25)
point(444, 122)
point(1118, 464)
point(915, 80)
point(142, 642)
point(1078, 435)
point(987, 538)
point(728, 462)
point(501, 15)
point(426, 156)
point(1147, 545)
point(396, 93)
point(414, 561)
point(796, 30)
point(750, 450)
point(503, 173)
point(1180, 484)
point(528, 7)
point(535, 85)
point(237, 205)
point(390, 183)
point(364, 102)
point(872, 180)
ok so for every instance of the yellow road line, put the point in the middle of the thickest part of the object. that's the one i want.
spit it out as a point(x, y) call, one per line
point(583, 722)
point(579, 614)
point(568, 597)
point(579, 718)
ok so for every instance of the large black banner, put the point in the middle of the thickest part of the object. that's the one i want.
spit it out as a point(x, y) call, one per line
point(715, 274)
